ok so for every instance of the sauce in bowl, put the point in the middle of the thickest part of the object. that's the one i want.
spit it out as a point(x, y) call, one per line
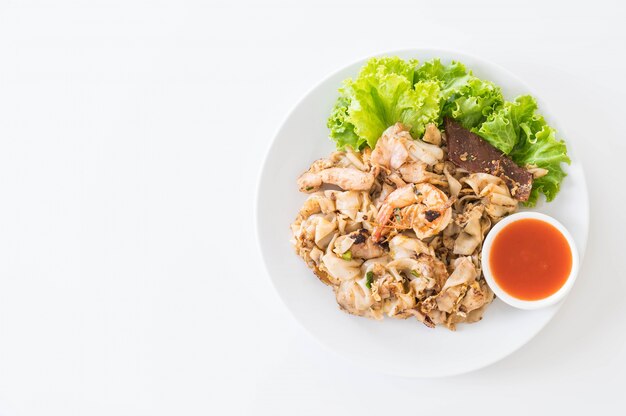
point(530, 259)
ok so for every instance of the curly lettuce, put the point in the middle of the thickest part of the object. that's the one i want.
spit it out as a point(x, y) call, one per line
point(518, 131)
point(342, 130)
point(389, 90)
point(382, 95)
point(505, 126)
point(539, 147)
point(466, 98)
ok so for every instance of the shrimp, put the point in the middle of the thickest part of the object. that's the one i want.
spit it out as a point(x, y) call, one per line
point(390, 150)
point(345, 178)
point(396, 147)
point(423, 207)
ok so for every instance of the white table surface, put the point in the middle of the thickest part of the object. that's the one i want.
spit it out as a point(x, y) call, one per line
point(131, 138)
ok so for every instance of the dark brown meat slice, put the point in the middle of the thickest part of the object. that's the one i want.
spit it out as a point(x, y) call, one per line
point(471, 152)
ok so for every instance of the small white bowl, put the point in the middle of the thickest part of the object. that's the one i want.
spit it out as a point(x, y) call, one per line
point(504, 296)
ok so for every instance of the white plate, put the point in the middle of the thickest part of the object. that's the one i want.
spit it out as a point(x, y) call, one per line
point(400, 347)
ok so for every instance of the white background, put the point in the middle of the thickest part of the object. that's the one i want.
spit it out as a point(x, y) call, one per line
point(131, 138)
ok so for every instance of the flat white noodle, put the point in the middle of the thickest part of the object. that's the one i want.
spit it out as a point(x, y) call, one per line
point(434, 275)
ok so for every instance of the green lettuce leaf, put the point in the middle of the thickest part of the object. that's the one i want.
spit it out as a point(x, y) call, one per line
point(452, 77)
point(474, 102)
point(341, 130)
point(382, 101)
point(466, 98)
point(524, 135)
point(382, 95)
point(540, 148)
point(504, 126)
point(380, 67)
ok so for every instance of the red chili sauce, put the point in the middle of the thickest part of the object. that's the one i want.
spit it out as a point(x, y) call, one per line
point(530, 259)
